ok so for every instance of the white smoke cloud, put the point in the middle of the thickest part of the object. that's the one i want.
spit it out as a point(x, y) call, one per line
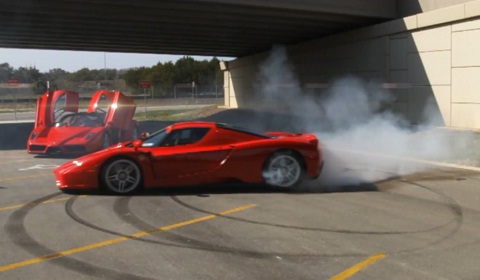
point(362, 139)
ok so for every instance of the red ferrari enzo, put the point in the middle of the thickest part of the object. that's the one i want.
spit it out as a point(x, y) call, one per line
point(61, 129)
point(194, 153)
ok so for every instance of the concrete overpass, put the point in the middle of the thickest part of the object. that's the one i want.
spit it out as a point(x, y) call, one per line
point(428, 45)
point(231, 28)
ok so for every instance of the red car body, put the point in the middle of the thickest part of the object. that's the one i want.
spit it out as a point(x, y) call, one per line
point(194, 153)
point(61, 129)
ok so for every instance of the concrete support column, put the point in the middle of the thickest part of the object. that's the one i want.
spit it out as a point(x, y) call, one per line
point(226, 87)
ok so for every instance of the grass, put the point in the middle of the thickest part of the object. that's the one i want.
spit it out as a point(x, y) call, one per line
point(141, 115)
point(176, 115)
point(167, 115)
point(19, 107)
point(10, 107)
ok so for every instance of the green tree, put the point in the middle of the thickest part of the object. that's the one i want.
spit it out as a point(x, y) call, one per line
point(6, 72)
point(185, 70)
point(163, 77)
point(133, 77)
point(82, 75)
point(27, 75)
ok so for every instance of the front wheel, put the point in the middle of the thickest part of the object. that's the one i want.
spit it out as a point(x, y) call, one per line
point(121, 176)
point(283, 170)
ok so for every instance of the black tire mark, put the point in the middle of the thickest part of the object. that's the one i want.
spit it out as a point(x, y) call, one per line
point(345, 231)
point(454, 207)
point(121, 209)
point(16, 231)
point(450, 203)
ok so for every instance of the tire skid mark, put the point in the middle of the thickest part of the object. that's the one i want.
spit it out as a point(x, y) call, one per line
point(449, 202)
point(16, 231)
point(457, 221)
point(121, 208)
point(345, 231)
point(34, 204)
point(73, 215)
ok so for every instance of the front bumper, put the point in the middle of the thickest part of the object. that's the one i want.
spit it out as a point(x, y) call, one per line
point(75, 177)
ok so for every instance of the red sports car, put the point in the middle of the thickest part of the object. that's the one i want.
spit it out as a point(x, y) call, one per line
point(61, 129)
point(194, 153)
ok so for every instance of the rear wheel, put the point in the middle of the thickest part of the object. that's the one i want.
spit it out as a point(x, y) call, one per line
point(121, 176)
point(283, 170)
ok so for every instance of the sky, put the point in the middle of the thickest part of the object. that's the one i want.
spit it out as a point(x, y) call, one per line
point(71, 61)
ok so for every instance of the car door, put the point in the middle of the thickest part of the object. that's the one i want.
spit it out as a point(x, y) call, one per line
point(181, 157)
point(53, 105)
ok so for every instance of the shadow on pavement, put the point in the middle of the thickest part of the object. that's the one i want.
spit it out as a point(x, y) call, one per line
point(13, 136)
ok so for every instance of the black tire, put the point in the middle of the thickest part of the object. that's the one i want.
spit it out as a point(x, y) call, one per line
point(283, 170)
point(121, 176)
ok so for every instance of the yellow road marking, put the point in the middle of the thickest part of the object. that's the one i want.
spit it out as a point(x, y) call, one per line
point(35, 203)
point(120, 239)
point(24, 177)
point(359, 266)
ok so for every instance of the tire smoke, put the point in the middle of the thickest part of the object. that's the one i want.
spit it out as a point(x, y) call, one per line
point(364, 140)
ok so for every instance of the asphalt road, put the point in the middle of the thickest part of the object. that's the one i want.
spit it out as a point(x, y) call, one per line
point(419, 226)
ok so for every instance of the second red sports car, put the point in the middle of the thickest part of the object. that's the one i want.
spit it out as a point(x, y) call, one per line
point(61, 129)
point(195, 153)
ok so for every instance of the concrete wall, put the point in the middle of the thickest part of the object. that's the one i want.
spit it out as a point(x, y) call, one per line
point(436, 54)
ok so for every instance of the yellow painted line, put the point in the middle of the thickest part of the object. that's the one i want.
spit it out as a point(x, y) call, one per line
point(35, 203)
point(24, 177)
point(120, 239)
point(359, 266)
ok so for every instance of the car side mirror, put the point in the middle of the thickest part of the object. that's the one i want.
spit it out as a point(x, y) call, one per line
point(137, 144)
point(144, 135)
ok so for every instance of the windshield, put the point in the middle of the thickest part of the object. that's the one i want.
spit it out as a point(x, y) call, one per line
point(155, 139)
point(80, 119)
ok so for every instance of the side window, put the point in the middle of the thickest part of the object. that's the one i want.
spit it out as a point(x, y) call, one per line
point(59, 107)
point(184, 136)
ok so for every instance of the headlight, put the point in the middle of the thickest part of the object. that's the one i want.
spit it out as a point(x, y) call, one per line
point(33, 136)
point(77, 163)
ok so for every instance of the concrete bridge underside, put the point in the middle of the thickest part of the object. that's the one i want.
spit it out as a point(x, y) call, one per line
point(231, 28)
point(430, 46)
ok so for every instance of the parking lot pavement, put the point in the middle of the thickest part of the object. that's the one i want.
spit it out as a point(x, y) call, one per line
point(418, 226)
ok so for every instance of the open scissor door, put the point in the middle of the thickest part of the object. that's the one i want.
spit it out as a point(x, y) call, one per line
point(53, 105)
